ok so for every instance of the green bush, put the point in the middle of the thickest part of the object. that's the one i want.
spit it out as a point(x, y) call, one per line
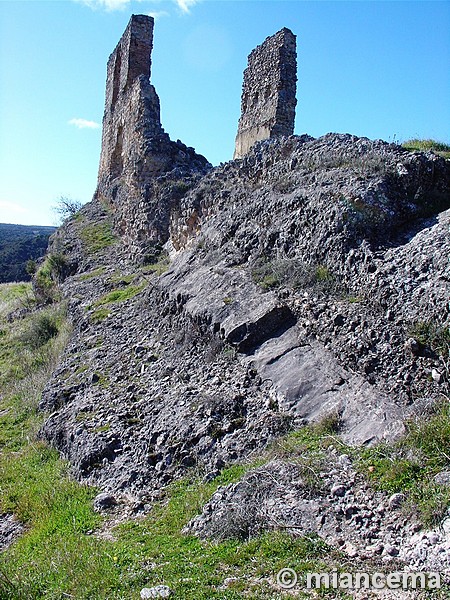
point(48, 276)
point(41, 330)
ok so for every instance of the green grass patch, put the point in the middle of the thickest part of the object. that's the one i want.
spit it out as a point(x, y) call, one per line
point(120, 295)
point(97, 236)
point(158, 265)
point(423, 145)
point(92, 274)
point(14, 296)
point(410, 465)
point(123, 279)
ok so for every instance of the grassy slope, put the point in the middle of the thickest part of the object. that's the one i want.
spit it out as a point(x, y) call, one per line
point(60, 556)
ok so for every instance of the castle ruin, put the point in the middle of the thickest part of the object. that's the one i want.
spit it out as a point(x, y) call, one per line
point(135, 148)
point(268, 93)
point(142, 172)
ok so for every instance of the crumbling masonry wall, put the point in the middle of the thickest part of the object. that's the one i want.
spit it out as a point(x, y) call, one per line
point(136, 150)
point(269, 92)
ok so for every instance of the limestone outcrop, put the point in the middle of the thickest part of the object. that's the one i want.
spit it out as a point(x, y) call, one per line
point(307, 282)
point(269, 92)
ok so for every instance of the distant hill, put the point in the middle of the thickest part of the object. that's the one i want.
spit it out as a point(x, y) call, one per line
point(18, 244)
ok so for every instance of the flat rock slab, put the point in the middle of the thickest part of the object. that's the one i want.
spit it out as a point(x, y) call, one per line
point(309, 383)
point(228, 300)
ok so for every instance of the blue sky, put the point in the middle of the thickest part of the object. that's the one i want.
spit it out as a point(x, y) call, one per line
point(375, 69)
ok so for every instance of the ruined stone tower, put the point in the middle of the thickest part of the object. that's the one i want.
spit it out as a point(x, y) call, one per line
point(268, 95)
point(131, 105)
point(135, 148)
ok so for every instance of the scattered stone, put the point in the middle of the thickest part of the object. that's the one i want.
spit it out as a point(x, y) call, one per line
point(159, 591)
point(104, 501)
point(338, 490)
point(437, 376)
point(390, 550)
point(350, 549)
point(412, 346)
point(442, 478)
point(396, 500)
point(228, 582)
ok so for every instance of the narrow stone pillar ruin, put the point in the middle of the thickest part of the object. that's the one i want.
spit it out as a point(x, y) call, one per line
point(136, 150)
point(269, 92)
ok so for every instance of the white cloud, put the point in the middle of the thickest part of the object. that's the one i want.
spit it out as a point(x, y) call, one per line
point(110, 5)
point(185, 5)
point(84, 124)
point(158, 14)
point(12, 207)
point(106, 4)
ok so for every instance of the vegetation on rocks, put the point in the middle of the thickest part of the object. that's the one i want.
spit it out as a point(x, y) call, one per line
point(96, 236)
point(410, 465)
point(424, 145)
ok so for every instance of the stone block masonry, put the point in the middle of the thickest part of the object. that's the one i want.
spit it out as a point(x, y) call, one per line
point(269, 92)
point(136, 150)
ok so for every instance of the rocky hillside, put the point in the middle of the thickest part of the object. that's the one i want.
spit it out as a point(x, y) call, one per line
point(307, 281)
point(283, 318)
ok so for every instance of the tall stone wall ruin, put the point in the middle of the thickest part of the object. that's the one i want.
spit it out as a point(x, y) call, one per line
point(269, 92)
point(142, 173)
point(136, 150)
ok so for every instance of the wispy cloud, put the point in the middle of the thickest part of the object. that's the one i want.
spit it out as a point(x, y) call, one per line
point(186, 5)
point(158, 14)
point(12, 207)
point(110, 5)
point(84, 124)
point(106, 4)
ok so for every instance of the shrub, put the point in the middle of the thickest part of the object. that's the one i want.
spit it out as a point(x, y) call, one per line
point(49, 274)
point(66, 208)
point(41, 330)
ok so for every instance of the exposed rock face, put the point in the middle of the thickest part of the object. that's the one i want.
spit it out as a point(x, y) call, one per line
point(10, 530)
point(298, 278)
point(206, 365)
point(135, 148)
point(268, 94)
